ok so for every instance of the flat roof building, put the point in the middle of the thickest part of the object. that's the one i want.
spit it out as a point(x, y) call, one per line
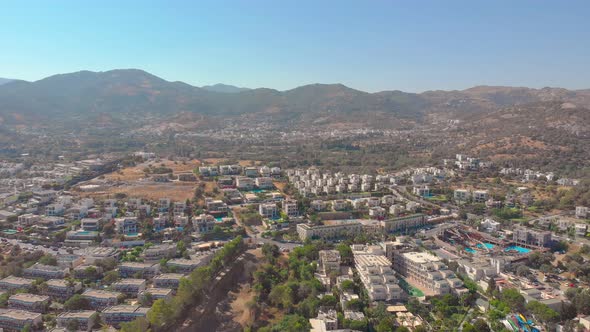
point(129, 286)
point(115, 315)
point(99, 299)
point(85, 319)
point(12, 283)
point(168, 280)
point(29, 302)
point(16, 319)
point(143, 270)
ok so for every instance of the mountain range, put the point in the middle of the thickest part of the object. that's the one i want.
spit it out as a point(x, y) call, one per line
point(219, 87)
point(132, 91)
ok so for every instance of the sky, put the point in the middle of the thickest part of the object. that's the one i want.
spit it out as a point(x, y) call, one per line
point(369, 45)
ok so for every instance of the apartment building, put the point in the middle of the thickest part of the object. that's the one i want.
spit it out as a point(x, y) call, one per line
point(90, 224)
point(404, 224)
point(480, 196)
point(99, 299)
point(43, 271)
point(339, 205)
point(117, 314)
point(204, 223)
point(461, 195)
point(55, 209)
point(318, 205)
point(376, 275)
point(164, 204)
point(156, 294)
point(92, 255)
point(245, 183)
point(264, 183)
point(168, 280)
point(129, 286)
point(126, 225)
point(29, 302)
point(531, 237)
point(329, 231)
point(28, 219)
point(183, 265)
point(16, 320)
point(87, 271)
point(61, 289)
point(13, 283)
point(85, 319)
point(144, 270)
point(290, 208)
point(329, 261)
point(216, 206)
point(582, 212)
point(268, 210)
point(157, 252)
point(427, 271)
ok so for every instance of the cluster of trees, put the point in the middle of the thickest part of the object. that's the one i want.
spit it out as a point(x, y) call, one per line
point(164, 314)
point(289, 284)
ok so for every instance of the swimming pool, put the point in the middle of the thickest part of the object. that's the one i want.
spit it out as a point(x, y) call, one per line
point(518, 249)
point(487, 245)
point(470, 250)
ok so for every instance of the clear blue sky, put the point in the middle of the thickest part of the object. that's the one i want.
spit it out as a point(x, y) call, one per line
point(368, 45)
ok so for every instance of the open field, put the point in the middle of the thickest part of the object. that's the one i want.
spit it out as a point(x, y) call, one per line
point(174, 191)
point(135, 173)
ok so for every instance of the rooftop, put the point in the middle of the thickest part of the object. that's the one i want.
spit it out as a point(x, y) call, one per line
point(17, 280)
point(420, 257)
point(26, 297)
point(130, 281)
point(125, 309)
point(84, 314)
point(19, 314)
point(169, 276)
point(98, 293)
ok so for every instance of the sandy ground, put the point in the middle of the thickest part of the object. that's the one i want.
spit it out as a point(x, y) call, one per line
point(239, 306)
point(152, 191)
point(135, 173)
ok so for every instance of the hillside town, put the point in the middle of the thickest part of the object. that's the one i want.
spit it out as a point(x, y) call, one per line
point(460, 244)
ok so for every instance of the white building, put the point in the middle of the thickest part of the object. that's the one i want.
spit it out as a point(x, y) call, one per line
point(376, 275)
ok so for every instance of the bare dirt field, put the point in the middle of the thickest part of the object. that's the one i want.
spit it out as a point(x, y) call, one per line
point(174, 191)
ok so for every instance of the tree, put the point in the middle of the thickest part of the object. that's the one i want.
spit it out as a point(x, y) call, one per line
point(138, 325)
point(542, 312)
point(522, 271)
point(513, 298)
point(292, 323)
point(481, 325)
point(72, 325)
point(347, 285)
point(160, 314)
point(110, 277)
point(48, 260)
point(270, 251)
point(345, 253)
point(76, 302)
point(385, 325)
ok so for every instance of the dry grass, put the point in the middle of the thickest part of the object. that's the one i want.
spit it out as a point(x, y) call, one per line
point(174, 191)
point(240, 309)
point(135, 173)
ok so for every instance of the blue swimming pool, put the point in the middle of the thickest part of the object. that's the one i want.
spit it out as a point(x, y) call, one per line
point(518, 249)
point(487, 245)
point(470, 250)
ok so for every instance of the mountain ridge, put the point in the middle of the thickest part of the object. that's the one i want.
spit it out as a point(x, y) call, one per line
point(137, 91)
